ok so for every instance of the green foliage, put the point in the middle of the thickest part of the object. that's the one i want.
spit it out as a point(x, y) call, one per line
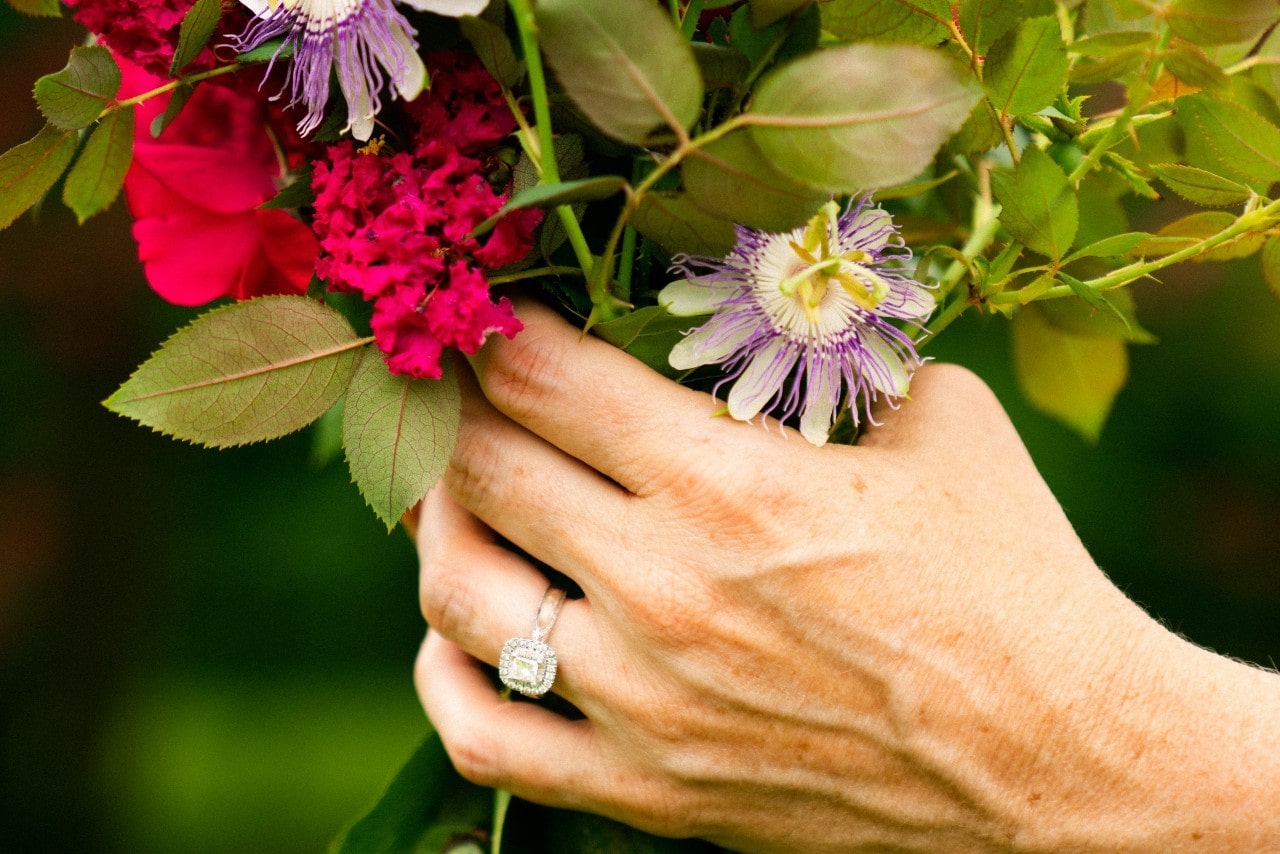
point(1227, 138)
point(494, 49)
point(627, 85)
point(1271, 265)
point(75, 96)
point(95, 181)
point(765, 12)
point(877, 119)
point(27, 171)
point(1213, 22)
point(922, 22)
point(677, 224)
point(399, 433)
point(1040, 208)
point(732, 178)
point(1190, 230)
point(1027, 68)
point(1201, 187)
point(245, 372)
point(425, 807)
point(198, 26)
point(37, 8)
point(648, 334)
point(177, 100)
point(1071, 376)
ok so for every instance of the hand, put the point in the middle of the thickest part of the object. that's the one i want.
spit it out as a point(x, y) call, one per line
point(897, 645)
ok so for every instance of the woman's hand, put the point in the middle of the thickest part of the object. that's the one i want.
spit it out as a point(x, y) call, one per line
point(896, 645)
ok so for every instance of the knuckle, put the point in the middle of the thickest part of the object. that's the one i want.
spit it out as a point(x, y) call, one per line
point(520, 376)
point(475, 466)
point(448, 601)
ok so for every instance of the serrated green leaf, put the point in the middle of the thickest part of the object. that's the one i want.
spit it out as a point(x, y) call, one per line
point(492, 46)
point(648, 334)
point(1110, 247)
point(399, 433)
point(27, 171)
point(425, 804)
point(1026, 68)
point(1229, 139)
point(1117, 319)
point(1271, 265)
point(765, 12)
point(177, 100)
point(1220, 21)
point(677, 224)
point(95, 180)
point(859, 117)
point(1074, 378)
point(1200, 186)
point(75, 96)
point(980, 132)
point(1193, 66)
point(733, 180)
point(623, 63)
point(921, 22)
point(198, 26)
point(1090, 71)
point(985, 21)
point(1040, 208)
point(1109, 44)
point(245, 372)
point(38, 8)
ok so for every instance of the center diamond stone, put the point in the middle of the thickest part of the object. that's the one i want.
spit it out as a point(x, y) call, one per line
point(527, 666)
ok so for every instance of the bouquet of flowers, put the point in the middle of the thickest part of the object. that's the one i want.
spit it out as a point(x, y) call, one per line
point(782, 202)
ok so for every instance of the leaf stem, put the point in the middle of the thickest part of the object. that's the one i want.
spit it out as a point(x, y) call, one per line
point(173, 84)
point(534, 273)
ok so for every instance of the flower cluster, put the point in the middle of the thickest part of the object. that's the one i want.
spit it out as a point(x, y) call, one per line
point(143, 32)
point(397, 229)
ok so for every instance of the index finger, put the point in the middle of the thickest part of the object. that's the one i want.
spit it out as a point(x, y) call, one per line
point(599, 404)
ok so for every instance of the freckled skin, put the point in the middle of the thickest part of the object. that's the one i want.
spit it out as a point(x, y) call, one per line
point(889, 647)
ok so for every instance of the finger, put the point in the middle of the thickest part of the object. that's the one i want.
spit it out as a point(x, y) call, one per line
point(479, 595)
point(521, 747)
point(600, 405)
point(509, 478)
point(948, 406)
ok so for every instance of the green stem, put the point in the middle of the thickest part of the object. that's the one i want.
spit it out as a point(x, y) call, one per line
point(174, 84)
point(1256, 220)
point(986, 223)
point(1137, 100)
point(548, 171)
point(534, 273)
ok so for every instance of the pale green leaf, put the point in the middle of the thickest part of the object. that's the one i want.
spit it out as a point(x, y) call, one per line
point(494, 49)
point(677, 224)
point(1193, 66)
point(732, 179)
point(1116, 319)
point(38, 8)
point(1026, 69)
point(27, 171)
point(1213, 22)
point(985, 21)
point(75, 96)
point(765, 12)
point(909, 21)
point(1109, 44)
point(1109, 247)
point(1040, 208)
point(95, 181)
point(722, 67)
point(648, 334)
point(1200, 186)
point(244, 372)
point(1229, 139)
point(198, 26)
point(1271, 264)
point(399, 433)
point(1074, 378)
point(859, 117)
point(623, 63)
point(1189, 230)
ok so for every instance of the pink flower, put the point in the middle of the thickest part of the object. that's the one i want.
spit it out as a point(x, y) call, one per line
point(145, 32)
point(194, 194)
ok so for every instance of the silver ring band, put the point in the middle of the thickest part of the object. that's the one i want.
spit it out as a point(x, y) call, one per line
point(528, 665)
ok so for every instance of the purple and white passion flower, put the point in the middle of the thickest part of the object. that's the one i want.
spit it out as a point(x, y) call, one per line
point(803, 321)
point(366, 42)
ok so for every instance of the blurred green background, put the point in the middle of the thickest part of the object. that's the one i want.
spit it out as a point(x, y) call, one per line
point(211, 652)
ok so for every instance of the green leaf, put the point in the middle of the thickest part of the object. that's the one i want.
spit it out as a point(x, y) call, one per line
point(983, 22)
point(95, 181)
point(75, 96)
point(1271, 265)
point(1040, 209)
point(1026, 69)
point(921, 22)
point(765, 12)
point(648, 334)
point(1116, 319)
point(244, 372)
point(623, 63)
point(778, 42)
point(980, 132)
point(1220, 21)
point(38, 8)
point(1200, 186)
point(733, 180)
point(198, 26)
point(492, 46)
point(677, 224)
point(296, 194)
point(858, 117)
point(721, 67)
point(426, 804)
point(553, 195)
point(27, 171)
point(266, 52)
point(1228, 139)
point(1109, 247)
point(1189, 230)
point(399, 433)
point(1110, 44)
point(177, 100)
point(1193, 66)
point(1074, 378)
